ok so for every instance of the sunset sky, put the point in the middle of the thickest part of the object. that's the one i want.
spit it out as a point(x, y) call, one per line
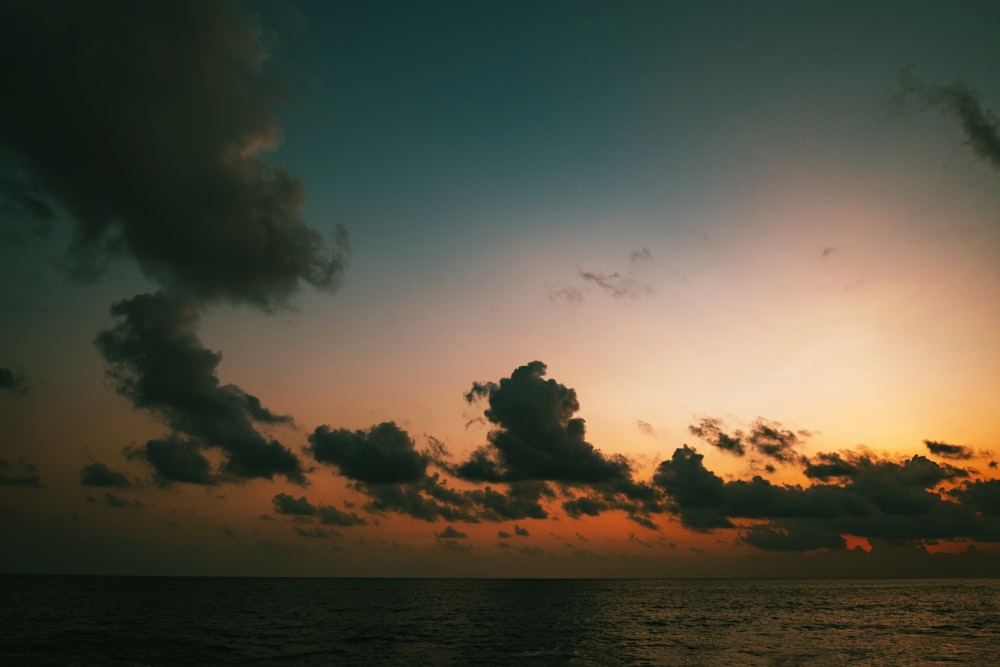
point(500, 288)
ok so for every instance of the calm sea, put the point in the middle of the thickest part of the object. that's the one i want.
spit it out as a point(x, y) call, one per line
point(218, 621)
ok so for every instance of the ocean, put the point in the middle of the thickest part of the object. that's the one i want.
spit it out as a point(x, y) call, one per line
point(250, 621)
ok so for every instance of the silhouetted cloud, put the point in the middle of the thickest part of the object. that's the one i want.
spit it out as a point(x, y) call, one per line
point(327, 514)
point(19, 473)
point(521, 532)
point(981, 495)
point(13, 381)
point(450, 533)
point(978, 123)
point(98, 474)
point(157, 361)
point(767, 438)
point(117, 502)
point(148, 131)
point(947, 451)
point(710, 430)
point(286, 504)
point(872, 497)
point(537, 437)
point(645, 427)
point(383, 454)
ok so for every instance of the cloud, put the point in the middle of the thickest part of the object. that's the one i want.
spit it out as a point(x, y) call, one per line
point(521, 532)
point(13, 381)
point(450, 533)
point(769, 439)
point(117, 502)
point(645, 427)
point(871, 497)
point(19, 473)
point(710, 430)
point(25, 212)
point(98, 474)
point(567, 293)
point(319, 533)
point(156, 359)
point(148, 131)
point(617, 285)
point(947, 451)
point(286, 504)
point(383, 454)
point(536, 436)
point(978, 123)
point(327, 514)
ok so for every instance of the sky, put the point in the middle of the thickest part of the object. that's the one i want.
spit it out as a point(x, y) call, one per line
point(500, 289)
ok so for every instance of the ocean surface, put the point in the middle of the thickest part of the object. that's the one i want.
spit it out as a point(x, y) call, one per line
point(245, 621)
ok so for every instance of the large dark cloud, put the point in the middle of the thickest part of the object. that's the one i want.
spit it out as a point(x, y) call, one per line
point(156, 360)
point(19, 473)
point(537, 437)
point(13, 381)
point(145, 121)
point(24, 213)
point(98, 474)
point(978, 123)
point(865, 496)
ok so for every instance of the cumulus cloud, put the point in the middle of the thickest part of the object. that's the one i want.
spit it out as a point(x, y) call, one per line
point(19, 473)
point(383, 454)
point(536, 436)
point(148, 132)
point(866, 496)
point(98, 474)
point(13, 381)
point(156, 359)
point(977, 122)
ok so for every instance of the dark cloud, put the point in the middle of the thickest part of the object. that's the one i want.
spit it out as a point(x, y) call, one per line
point(320, 533)
point(872, 497)
point(450, 533)
point(828, 251)
point(175, 459)
point(13, 381)
point(503, 534)
point(947, 451)
point(710, 430)
point(521, 501)
point(19, 473)
point(286, 504)
point(537, 437)
point(645, 427)
point(521, 532)
point(978, 123)
point(327, 514)
point(383, 454)
point(146, 121)
point(156, 360)
point(981, 495)
point(767, 438)
point(117, 502)
point(98, 474)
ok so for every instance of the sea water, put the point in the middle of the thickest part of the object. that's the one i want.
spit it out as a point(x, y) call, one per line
point(248, 621)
